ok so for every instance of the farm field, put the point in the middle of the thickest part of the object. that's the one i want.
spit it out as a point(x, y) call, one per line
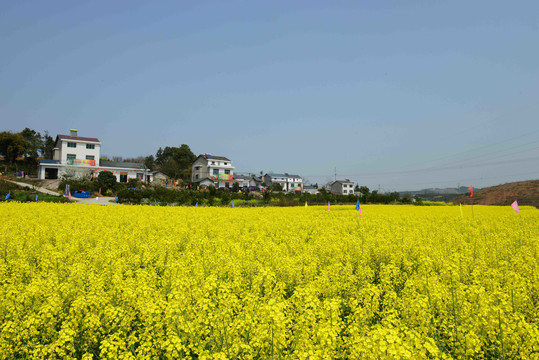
point(150, 282)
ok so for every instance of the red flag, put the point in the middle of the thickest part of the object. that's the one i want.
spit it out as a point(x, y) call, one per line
point(471, 190)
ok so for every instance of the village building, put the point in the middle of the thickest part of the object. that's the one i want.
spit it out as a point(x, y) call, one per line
point(309, 189)
point(248, 181)
point(342, 187)
point(77, 156)
point(218, 169)
point(159, 177)
point(204, 183)
point(288, 182)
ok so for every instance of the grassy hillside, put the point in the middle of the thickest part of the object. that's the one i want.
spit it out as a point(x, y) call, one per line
point(525, 192)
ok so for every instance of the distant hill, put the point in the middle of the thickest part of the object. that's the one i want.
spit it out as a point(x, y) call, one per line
point(436, 194)
point(525, 192)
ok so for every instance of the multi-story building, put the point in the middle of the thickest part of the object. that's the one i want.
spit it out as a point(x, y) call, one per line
point(219, 169)
point(342, 187)
point(77, 156)
point(287, 181)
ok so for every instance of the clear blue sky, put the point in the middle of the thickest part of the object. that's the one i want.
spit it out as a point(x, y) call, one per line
point(394, 94)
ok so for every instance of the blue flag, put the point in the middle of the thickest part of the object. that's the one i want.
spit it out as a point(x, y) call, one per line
point(196, 205)
point(36, 197)
point(7, 196)
point(357, 206)
point(154, 201)
point(233, 204)
point(116, 198)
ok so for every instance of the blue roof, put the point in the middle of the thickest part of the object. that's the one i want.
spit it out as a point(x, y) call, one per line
point(46, 161)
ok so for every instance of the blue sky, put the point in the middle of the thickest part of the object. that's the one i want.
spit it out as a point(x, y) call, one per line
point(395, 95)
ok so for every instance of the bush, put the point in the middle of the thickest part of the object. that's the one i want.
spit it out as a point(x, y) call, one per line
point(106, 181)
point(129, 196)
point(225, 198)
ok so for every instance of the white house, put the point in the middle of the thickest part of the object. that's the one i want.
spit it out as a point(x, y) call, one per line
point(287, 181)
point(342, 187)
point(309, 189)
point(204, 182)
point(242, 180)
point(247, 180)
point(217, 168)
point(78, 156)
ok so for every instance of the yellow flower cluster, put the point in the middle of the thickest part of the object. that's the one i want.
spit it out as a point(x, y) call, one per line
point(149, 282)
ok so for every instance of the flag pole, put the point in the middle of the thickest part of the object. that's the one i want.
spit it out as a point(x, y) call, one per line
point(471, 195)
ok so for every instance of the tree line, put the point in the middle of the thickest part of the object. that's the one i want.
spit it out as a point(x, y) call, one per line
point(21, 150)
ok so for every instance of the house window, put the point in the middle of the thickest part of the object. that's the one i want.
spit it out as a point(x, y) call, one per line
point(123, 177)
point(196, 176)
point(71, 156)
point(226, 163)
point(90, 157)
point(227, 172)
point(197, 167)
point(90, 146)
point(215, 172)
point(213, 162)
point(71, 145)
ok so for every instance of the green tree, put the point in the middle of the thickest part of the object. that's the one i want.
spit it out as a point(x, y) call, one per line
point(266, 195)
point(159, 157)
point(106, 180)
point(32, 143)
point(364, 191)
point(176, 161)
point(235, 187)
point(276, 187)
point(171, 168)
point(47, 146)
point(149, 162)
point(11, 146)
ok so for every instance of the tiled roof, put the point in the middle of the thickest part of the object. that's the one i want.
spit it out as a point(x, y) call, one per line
point(284, 176)
point(200, 180)
point(342, 182)
point(80, 138)
point(214, 157)
point(47, 161)
point(120, 164)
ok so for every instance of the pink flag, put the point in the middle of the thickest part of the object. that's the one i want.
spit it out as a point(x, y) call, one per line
point(514, 205)
point(329, 207)
point(360, 214)
point(471, 190)
point(69, 195)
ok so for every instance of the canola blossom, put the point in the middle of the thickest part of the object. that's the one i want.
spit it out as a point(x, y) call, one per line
point(149, 282)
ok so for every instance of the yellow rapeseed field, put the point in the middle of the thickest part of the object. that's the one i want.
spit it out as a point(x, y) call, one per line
point(149, 282)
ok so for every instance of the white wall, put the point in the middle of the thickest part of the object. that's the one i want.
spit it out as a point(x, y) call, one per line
point(342, 189)
point(80, 151)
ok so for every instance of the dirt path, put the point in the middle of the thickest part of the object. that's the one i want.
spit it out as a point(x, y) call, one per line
point(105, 200)
point(36, 188)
